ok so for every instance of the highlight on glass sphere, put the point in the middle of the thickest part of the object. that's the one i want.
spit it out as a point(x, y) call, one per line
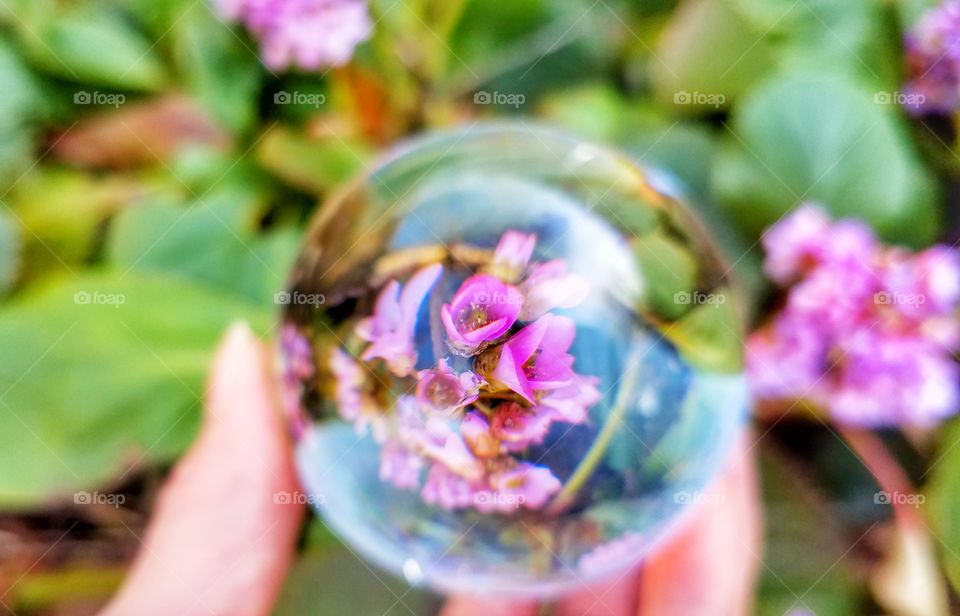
point(511, 360)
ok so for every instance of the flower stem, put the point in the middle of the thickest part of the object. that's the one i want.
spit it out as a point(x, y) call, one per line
point(598, 449)
point(885, 469)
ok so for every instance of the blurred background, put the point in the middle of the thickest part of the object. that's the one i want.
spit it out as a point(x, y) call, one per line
point(160, 158)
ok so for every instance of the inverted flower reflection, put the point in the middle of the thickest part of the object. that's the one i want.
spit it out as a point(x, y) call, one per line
point(458, 435)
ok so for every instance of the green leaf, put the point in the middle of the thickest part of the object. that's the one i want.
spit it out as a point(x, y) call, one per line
point(346, 581)
point(21, 103)
point(707, 56)
point(61, 211)
point(95, 46)
point(212, 241)
point(102, 374)
point(943, 492)
point(314, 166)
point(710, 335)
point(216, 67)
point(820, 138)
point(858, 37)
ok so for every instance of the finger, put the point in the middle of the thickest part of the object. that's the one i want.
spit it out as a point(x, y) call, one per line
point(217, 542)
point(706, 568)
point(614, 597)
point(710, 567)
point(471, 606)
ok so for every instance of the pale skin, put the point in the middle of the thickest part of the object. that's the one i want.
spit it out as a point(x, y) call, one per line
point(218, 544)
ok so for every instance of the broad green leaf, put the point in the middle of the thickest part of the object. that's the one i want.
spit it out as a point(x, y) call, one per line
point(94, 46)
point(22, 99)
point(212, 241)
point(314, 166)
point(216, 66)
point(529, 47)
point(102, 374)
point(858, 37)
point(323, 583)
point(806, 137)
point(61, 211)
point(708, 55)
point(597, 111)
point(20, 105)
point(710, 335)
point(943, 493)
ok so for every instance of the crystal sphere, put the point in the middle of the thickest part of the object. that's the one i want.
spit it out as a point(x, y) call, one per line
point(511, 359)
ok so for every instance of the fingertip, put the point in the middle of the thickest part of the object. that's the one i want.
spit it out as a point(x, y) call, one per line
point(617, 595)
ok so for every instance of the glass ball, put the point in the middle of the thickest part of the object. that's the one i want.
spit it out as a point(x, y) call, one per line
point(511, 360)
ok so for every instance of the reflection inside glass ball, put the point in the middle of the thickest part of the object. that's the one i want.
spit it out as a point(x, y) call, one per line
point(510, 360)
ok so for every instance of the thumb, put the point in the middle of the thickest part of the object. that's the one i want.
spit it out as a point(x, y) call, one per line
point(218, 542)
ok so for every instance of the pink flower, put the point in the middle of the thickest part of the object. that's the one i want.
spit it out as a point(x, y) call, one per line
point(297, 352)
point(352, 394)
point(399, 466)
point(784, 360)
point(350, 384)
point(297, 356)
point(536, 357)
point(482, 310)
point(805, 239)
point(890, 380)
point(527, 485)
point(933, 61)
point(448, 490)
point(390, 330)
point(512, 255)
point(570, 402)
point(309, 34)
point(442, 391)
point(475, 430)
point(518, 427)
point(453, 453)
point(551, 286)
point(866, 332)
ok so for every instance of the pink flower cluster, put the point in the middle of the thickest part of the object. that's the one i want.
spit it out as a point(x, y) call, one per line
point(298, 368)
point(867, 332)
point(933, 61)
point(466, 431)
point(309, 34)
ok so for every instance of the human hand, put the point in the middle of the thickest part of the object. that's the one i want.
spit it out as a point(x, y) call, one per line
point(218, 543)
